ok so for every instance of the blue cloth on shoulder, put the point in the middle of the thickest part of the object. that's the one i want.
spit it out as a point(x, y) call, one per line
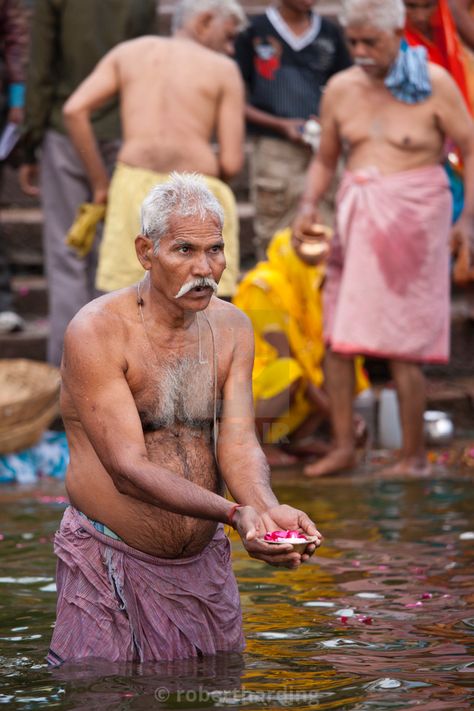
point(408, 79)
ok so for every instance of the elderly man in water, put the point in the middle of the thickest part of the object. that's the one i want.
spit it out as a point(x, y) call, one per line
point(387, 282)
point(157, 405)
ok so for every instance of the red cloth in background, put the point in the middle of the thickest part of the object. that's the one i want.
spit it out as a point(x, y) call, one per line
point(444, 47)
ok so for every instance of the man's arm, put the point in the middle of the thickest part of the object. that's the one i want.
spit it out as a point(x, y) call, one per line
point(94, 378)
point(457, 124)
point(230, 122)
point(241, 460)
point(291, 129)
point(323, 166)
point(102, 84)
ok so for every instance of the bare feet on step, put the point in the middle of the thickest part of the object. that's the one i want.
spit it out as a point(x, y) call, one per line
point(337, 460)
point(407, 466)
point(307, 447)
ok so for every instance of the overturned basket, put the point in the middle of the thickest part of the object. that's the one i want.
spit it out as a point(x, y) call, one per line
point(29, 402)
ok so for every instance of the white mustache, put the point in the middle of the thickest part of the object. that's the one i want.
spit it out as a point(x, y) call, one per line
point(364, 62)
point(203, 281)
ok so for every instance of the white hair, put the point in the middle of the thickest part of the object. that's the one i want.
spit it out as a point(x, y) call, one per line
point(186, 9)
point(386, 15)
point(183, 195)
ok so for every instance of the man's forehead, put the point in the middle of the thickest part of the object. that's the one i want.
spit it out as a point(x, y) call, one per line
point(194, 229)
point(365, 31)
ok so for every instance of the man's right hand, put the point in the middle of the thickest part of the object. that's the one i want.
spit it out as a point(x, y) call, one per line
point(100, 194)
point(28, 179)
point(306, 216)
point(251, 527)
point(292, 130)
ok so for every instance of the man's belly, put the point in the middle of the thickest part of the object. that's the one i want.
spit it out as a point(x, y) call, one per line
point(194, 155)
point(389, 159)
point(185, 452)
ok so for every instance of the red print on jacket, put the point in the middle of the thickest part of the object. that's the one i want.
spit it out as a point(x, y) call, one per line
point(267, 57)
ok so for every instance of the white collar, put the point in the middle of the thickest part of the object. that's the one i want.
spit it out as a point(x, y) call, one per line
point(296, 42)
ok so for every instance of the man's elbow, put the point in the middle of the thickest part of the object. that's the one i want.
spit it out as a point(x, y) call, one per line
point(231, 165)
point(72, 111)
point(121, 475)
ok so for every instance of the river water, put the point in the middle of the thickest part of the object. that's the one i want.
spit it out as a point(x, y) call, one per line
point(382, 617)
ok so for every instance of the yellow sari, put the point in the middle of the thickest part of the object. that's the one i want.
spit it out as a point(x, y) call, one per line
point(283, 294)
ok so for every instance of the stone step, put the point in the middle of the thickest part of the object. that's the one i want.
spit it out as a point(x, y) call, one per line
point(21, 232)
point(30, 296)
point(30, 343)
point(10, 192)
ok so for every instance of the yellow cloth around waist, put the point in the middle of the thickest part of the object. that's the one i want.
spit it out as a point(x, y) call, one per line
point(283, 294)
point(82, 234)
point(118, 263)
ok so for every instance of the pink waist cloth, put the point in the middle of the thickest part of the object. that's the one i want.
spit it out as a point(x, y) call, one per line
point(120, 604)
point(387, 284)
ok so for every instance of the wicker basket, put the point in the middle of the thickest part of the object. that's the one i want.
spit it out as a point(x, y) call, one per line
point(29, 402)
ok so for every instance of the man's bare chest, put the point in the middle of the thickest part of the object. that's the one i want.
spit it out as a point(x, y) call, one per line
point(381, 120)
point(177, 392)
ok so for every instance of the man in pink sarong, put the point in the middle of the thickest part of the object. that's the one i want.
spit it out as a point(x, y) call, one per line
point(148, 374)
point(387, 286)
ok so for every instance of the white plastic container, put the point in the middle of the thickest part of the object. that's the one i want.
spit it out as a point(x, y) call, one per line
point(365, 404)
point(389, 430)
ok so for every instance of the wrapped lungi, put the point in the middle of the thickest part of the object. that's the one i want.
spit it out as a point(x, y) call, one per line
point(118, 262)
point(387, 283)
point(119, 604)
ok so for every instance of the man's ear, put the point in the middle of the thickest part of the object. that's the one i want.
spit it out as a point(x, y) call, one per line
point(202, 22)
point(144, 250)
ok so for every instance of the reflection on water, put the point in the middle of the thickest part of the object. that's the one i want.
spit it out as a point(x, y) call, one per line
point(381, 618)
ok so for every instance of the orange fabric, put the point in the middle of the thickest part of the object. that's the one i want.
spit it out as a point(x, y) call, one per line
point(444, 47)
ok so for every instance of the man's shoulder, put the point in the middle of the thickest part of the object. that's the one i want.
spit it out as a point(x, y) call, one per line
point(139, 44)
point(226, 313)
point(342, 81)
point(99, 317)
point(196, 53)
point(439, 76)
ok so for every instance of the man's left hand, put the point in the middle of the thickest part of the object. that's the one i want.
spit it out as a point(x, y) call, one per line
point(283, 517)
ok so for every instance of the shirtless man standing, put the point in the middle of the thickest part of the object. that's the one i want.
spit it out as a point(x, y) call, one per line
point(387, 285)
point(176, 95)
point(148, 372)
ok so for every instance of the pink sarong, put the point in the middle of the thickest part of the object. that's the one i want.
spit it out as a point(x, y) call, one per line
point(387, 285)
point(119, 604)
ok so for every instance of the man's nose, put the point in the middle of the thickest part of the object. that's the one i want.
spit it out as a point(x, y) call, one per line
point(201, 265)
point(359, 49)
